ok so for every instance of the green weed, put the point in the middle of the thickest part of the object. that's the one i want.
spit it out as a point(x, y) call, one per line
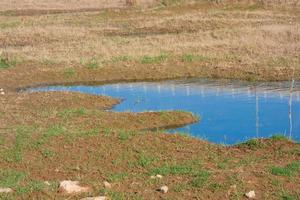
point(69, 72)
point(289, 170)
point(172, 169)
point(253, 144)
point(121, 59)
point(200, 179)
point(10, 178)
point(144, 161)
point(67, 113)
point(6, 63)
point(153, 59)
point(23, 134)
point(93, 64)
point(117, 177)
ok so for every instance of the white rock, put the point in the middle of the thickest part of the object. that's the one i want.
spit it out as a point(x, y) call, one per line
point(5, 190)
point(1, 89)
point(164, 189)
point(250, 195)
point(2, 93)
point(159, 176)
point(107, 185)
point(152, 177)
point(47, 183)
point(95, 198)
point(71, 187)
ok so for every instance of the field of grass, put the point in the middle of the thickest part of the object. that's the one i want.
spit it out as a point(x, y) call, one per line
point(59, 136)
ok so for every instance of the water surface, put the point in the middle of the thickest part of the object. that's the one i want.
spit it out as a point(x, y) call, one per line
point(230, 111)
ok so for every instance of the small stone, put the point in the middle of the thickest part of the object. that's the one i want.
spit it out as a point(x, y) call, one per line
point(47, 183)
point(250, 195)
point(152, 177)
point(1, 89)
point(2, 93)
point(95, 198)
point(107, 185)
point(70, 187)
point(164, 189)
point(159, 176)
point(6, 190)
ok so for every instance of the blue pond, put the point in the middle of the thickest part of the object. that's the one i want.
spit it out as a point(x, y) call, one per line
point(230, 111)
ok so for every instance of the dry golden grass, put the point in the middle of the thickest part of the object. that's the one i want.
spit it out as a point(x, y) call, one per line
point(250, 37)
point(6, 5)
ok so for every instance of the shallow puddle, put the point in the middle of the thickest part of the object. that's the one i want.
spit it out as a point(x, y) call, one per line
point(230, 111)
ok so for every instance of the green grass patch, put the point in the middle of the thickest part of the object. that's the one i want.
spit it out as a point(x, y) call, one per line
point(117, 177)
point(289, 170)
point(32, 186)
point(200, 179)
point(279, 137)
point(172, 169)
point(51, 131)
point(253, 144)
point(70, 72)
point(93, 64)
point(22, 139)
point(153, 59)
point(7, 63)
point(144, 160)
point(47, 153)
point(67, 113)
point(89, 132)
point(10, 178)
point(124, 135)
point(121, 59)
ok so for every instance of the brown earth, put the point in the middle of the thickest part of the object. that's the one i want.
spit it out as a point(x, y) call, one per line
point(62, 135)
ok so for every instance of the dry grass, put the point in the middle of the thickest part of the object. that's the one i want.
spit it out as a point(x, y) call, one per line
point(232, 36)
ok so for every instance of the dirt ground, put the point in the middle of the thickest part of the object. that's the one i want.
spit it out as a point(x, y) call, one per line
point(57, 136)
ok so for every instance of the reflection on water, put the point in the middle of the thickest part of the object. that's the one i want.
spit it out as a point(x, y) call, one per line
point(230, 112)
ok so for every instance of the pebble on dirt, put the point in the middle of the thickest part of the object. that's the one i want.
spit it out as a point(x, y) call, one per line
point(107, 185)
point(6, 190)
point(250, 195)
point(70, 187)
point(164, 189)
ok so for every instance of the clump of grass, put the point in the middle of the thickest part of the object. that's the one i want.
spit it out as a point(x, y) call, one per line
point(89, 133)
point(172, 169)
point(47, 153)
point(125, 135)
point(200, 179)
point(32, 186)
point(153, 59)
point(6, 62)
point(69, 72)
point(117, 177)
point(289, 170)
point(10, 178)
point(52, 131)
point(253, 144)
point(22, 139)
point(93, 64)
point(193, 58)
point(279, 137)
point(121, 59)
point(67, 113)
point(144, 160)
